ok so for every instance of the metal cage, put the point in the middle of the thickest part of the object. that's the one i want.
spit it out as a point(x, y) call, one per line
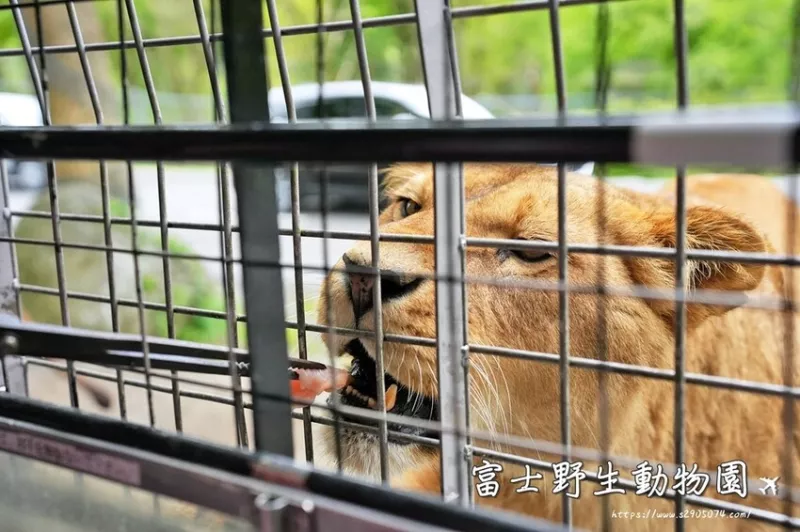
point(255, 480)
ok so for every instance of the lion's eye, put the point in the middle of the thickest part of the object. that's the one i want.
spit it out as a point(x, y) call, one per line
point(409, 207)
point(527, 255)
point(531, 255)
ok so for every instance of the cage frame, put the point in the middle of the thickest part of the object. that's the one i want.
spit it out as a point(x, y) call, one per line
point(764, 138)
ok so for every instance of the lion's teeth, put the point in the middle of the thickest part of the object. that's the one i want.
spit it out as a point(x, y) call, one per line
point(391, 397)
point(371, 402)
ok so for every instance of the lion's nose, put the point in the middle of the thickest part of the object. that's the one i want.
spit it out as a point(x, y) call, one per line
point(362, 282)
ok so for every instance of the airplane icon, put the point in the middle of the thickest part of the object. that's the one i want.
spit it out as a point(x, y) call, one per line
point(770, 484)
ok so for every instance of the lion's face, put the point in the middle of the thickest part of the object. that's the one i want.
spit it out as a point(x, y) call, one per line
point(509, 394)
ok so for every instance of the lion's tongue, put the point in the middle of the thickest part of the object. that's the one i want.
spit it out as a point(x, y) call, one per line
point(307, 384)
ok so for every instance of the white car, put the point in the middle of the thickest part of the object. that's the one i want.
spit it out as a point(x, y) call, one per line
point(22, 110)
point(343, 100)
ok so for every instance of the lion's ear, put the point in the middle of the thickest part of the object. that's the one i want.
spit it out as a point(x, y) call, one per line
point(707, 228)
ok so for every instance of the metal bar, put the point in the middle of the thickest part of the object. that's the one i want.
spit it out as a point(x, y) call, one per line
point(107, 235)
point(545, 447)
point(539, 446)
point(790, 305)
point(563, 294)
point(226, 230)
point(162, 194)
point(324, 183)
point(247, 93)
point(603, 75)
point(13, 377)
point(80, 346)
point(304, 29)
point(789, 363)
point(218, 477)
point(681, 44)
point(708, 297)
point(40, 81)
point(374, 230)
point(462, 200)
point(283, 69)
point(665, 253)
point(136, 252)
point(768, 141)
point(615, 250)
point(438, 70)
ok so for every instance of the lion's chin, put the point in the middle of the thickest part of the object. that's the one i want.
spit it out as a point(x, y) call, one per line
point(360, 452)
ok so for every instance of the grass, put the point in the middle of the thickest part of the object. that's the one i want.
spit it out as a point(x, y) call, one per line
point(634, 170)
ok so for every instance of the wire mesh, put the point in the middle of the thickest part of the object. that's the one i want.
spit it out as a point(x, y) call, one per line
point(458, 419)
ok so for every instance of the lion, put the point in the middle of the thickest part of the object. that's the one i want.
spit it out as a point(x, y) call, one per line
point(742, 336)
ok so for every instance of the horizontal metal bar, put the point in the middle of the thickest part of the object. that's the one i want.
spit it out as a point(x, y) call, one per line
point(308, 233)
point(621, 368)
point(534, 445)
point(143, 446)
point(477, 450)
point(83, 296)
point(610, 250)
point(33, 339)
point(700, 296)
point(137, 384)
point(133, 359)
point(410, 141)
point(699, 379)
point(411, 438)
point(517, 7)
point(96, 218)
point(301, 29)
point(617, 139)
point(665, 253)
point(707, 297)
point(40, 3)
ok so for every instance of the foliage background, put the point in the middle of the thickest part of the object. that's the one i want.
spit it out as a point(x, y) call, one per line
point(739, 51)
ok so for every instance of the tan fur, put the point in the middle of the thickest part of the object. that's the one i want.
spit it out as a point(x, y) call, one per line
point(521, 398)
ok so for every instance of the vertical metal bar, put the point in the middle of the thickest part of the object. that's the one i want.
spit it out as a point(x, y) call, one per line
point(448, 243)
point(462, 200)
point(283, 69)
point(369, 100)
point(603, 72)
point(790, 311)
point(134, 225)
point(226, 236)
point(162, 201)
point(40, 81)
point(790, 305)
point(98, 114)
point(258, 221)
point(320, 52)
point(14, 380)
point(563, 294)
point(680, 259)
